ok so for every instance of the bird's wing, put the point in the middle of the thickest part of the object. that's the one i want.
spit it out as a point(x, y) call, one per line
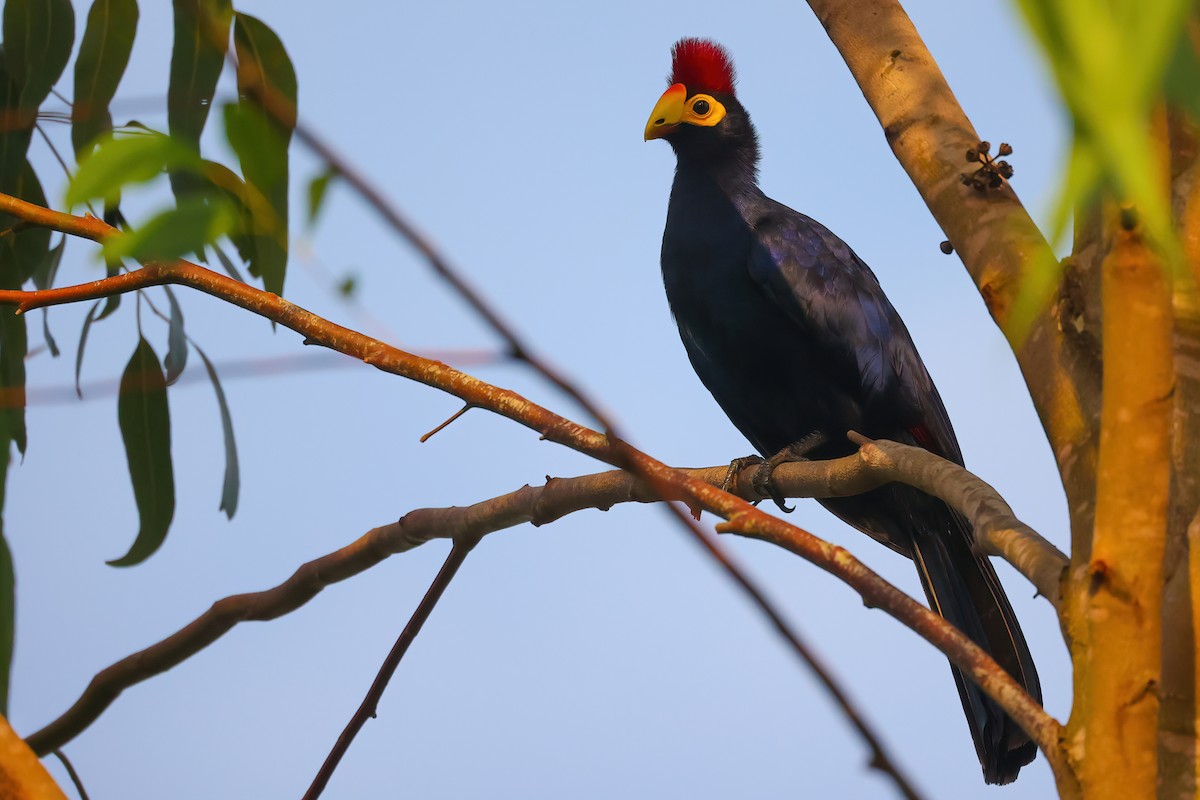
point(827, 290)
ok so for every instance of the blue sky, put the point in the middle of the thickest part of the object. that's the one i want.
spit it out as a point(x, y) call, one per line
point(597, 657)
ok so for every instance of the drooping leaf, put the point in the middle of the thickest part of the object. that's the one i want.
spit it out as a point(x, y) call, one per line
point(197, 56)
point(259, 129)
point(1110, 62)
point(177, 345)
point(232, 483)
point(120, 162)
point(196, 222)
point(49, 337)
point(38, 37)
point(103, 56)
point(317, 189)
point(112, 267)
point(145, 421)
point(43, 278)
point(8, 607)
point(1183, 73)
point(228, 264)
point(8, 598)
point(14, 346)
point(26, 252)
point(83, 337)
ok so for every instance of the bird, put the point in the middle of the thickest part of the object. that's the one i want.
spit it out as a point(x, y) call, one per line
point(794, 337)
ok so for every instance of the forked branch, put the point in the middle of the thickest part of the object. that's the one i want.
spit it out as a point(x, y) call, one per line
point(667, 482)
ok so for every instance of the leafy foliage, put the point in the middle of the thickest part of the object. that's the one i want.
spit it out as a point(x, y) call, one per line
point(1112, 62)
point(196, 221)
point(212, 201)
point(117, 163)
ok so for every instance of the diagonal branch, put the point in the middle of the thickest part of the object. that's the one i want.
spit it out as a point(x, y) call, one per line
point(993, 234)
point(667, 482)
point(876, 463)
point(370, 703)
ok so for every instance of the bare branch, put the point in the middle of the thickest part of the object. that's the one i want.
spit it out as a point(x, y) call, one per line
point(458, 554)
point(668, 483)
point(997, 529)
point(875, 464)
point(76, 781)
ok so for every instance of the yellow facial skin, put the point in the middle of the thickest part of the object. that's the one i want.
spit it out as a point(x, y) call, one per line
point(675, 108)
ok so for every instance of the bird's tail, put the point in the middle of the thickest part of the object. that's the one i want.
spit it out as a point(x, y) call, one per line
point(963, 588)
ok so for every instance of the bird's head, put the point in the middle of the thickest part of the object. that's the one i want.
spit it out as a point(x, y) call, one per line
point(698, 113)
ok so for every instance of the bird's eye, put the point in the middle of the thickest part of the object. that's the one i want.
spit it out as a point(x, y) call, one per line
point(701, 107)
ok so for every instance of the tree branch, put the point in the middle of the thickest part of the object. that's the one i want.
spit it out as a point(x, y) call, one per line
point(1120, 594)
point(667, 482)
point(370, 703)
point(995, 238)
point(997, 530)
point(875, 464)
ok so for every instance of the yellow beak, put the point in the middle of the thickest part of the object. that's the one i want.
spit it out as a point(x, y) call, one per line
point(667, 113)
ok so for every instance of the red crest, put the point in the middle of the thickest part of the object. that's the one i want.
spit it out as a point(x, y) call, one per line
point(702, 65)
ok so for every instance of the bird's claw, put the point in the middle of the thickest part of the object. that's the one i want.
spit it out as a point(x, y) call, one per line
point(796, 451)
point(736, 466)
point(764, 485)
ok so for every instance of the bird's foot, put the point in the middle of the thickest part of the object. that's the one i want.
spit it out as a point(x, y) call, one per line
point(736, 466)
point(796, 451)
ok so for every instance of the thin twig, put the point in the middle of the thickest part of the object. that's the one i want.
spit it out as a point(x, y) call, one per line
point(370, 703)
point(443, 425)
point(75, 779)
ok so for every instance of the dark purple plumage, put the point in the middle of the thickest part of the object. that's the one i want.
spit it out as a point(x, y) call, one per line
point(792, 334)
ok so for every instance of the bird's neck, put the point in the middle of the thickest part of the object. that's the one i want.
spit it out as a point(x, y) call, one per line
point(733, 169)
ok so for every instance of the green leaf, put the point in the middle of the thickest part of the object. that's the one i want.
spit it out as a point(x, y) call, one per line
point(196, 222)
point(25, 253)
point(120, 162)
point(14, 138)
point(259, 129)
point(8, 610)
point(348, 286)
point(14, 346)
point(227, 264)
point(50, 343)
point(1182, 83)
point(111, 267)
point(232, 483)
point(177, 346)
point(317, 188)
point(83, 337)
point(38, 37)
point(145, 421)
point(198, 54)
point(103, 56)
point(43, 278)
